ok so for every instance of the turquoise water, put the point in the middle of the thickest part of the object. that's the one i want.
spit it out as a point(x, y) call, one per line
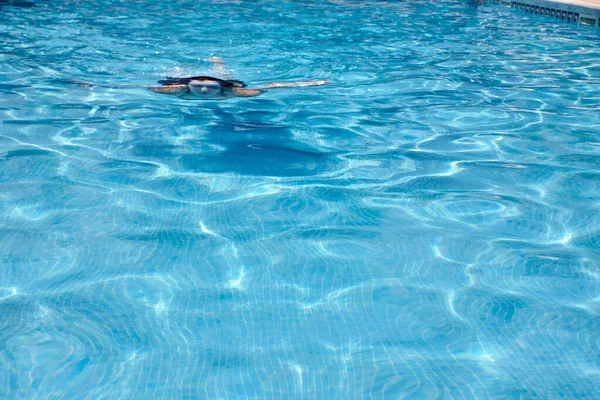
point(427, 226)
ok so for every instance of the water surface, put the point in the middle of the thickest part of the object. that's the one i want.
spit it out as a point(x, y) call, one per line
point(426, 226)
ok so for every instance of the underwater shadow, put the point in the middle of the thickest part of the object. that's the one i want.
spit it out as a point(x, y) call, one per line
point(253, 147)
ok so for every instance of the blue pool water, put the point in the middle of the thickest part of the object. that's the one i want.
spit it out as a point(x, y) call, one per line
point(427, 226)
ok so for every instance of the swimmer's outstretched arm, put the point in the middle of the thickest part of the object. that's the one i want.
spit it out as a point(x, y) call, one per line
point(166, 89)
point(107, 85)
point(297, 84)
point(243, 92)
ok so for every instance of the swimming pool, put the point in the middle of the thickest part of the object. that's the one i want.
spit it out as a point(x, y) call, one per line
point(426, 226)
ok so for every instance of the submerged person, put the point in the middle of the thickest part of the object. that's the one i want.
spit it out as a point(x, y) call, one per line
point(208, 87)
point(211, 88)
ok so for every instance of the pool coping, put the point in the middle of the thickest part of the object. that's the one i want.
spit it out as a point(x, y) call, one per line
point(585, 12)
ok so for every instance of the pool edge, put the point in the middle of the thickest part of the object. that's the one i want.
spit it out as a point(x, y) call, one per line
point(577, 11)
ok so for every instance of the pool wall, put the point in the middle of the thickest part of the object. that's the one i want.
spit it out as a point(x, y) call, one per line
point(581, 12)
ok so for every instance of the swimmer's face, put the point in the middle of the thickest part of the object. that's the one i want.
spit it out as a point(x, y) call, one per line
point(204, 88)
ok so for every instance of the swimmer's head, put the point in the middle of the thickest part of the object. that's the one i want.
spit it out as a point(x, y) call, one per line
point(205, 87)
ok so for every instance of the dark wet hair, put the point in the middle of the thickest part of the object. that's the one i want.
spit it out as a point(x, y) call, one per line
point(185, 81)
